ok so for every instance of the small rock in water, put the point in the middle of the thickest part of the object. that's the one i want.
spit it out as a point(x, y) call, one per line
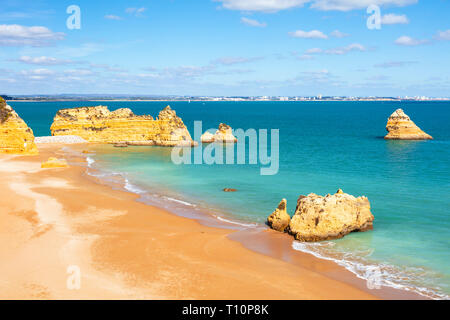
point(229, 190)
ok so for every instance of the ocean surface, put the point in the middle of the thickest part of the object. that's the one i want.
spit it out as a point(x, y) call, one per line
point(323, 146)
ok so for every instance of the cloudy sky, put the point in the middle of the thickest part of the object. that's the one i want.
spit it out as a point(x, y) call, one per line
point(226, 47)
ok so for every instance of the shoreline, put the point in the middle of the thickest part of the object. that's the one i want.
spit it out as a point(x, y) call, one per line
point(130, 250)
point(259, 238)
point(212, 100)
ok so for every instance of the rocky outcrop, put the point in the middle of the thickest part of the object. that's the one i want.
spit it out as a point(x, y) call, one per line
point(15, 136)
point(279, 219)
point(207, 137)
point(54, 163)
point(98, 124)
point(320, 218)
point(223, 135)
point(400, 127)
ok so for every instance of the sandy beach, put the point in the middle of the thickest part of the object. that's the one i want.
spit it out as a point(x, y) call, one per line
point(55, 219)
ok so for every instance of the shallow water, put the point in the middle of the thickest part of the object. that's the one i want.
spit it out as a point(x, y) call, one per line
point(323, 146)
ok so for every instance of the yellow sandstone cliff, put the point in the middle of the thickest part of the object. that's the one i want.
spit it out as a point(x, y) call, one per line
point(400, 127)
point(15, 136)
point(98, 124)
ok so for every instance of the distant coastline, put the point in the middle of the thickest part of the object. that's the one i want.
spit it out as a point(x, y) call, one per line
point(223, 99)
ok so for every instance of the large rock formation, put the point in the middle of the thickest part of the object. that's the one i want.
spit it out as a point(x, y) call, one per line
point(279, 219)
point(15, 136)
point(98, 124)
point(223, 135)
point(400, 127)
point(320, 218)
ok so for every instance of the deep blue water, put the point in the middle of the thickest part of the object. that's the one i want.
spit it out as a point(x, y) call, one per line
point(323, 146)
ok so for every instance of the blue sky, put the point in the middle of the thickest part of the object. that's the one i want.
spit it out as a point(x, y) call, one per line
point(226, 47)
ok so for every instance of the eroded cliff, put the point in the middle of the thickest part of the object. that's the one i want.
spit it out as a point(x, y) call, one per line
point(15, 136)
point(98, 124)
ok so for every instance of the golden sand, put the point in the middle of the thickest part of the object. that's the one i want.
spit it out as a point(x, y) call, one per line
point(52, 221)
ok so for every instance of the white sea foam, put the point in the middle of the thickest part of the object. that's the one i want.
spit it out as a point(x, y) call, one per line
point(180, 201)
point(247, 225)
point(90, 161)
point(385, 275)
point(133, 188)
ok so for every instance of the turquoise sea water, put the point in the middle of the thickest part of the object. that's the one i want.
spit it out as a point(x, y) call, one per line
point(323, 146)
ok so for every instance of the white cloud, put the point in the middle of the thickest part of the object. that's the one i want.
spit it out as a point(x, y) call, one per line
point(308, 54)
point(78, 72)
point(319, 76)
point(408, 41)
point(313, 34)
point(262, 5)
point(112, 17)
point(392, 18)
point(443, 35)
point(18, 35)
point(347, 5)
point(305, 57)
point(313, 51)
point(277, 5)
point(347, 49)
point(44, 61)
point(228, 61)
point(394, 64)
point(338, 34)
point(253, 23)
point(37, 74)
point(136, 11)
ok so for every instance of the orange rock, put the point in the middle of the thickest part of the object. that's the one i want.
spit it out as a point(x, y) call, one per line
point(279, 219)
point(98, 124)
point(400, 127)
point(320, 218)
point(223, 135)
point(54, 163)
point(15, 136)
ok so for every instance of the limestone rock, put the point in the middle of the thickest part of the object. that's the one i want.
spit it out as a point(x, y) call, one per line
point(400, 127)
point(320, 218)
point(15, 136)
point(54, 163)
point(98, 124)
point(279, 219)
point(207, 137)
point(225, 134)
